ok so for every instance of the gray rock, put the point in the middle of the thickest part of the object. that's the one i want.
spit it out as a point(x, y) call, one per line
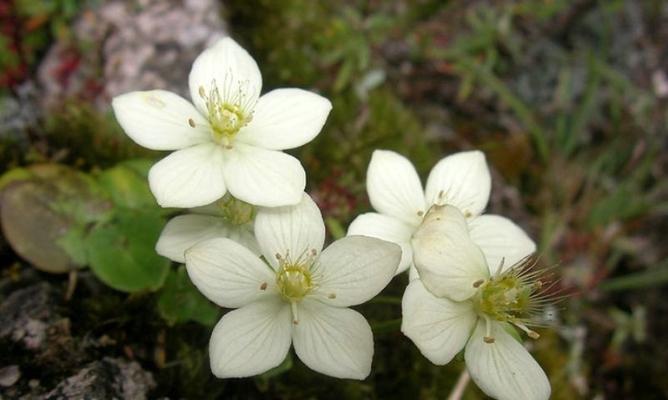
point(110, 378)
point(25, 315)
point(9, 375)
point(124, 46)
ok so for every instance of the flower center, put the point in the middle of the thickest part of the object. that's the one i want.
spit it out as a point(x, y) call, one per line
point(515, 296)
point(294, 282)
point(295, 277)
point(226, 117)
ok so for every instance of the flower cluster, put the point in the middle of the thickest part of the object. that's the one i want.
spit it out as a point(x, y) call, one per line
point(253, 240)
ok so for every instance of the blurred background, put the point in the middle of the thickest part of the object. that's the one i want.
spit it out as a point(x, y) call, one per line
point(567, 98)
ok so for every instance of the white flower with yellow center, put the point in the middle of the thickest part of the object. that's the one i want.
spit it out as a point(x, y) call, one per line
point(299, 295)
point(491, 300)
point(228, 218)
point(461, 180)
point(231, 139)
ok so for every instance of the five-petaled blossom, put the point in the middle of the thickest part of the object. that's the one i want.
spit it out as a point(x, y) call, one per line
point(461, 180)
point(466, 303)
point(231, 139)
point(297, 294)
point(227, 217)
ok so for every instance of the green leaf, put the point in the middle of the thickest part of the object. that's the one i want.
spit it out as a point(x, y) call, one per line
point(180, 301)
point(72, 242)
point(122, 252)
point(127, 185)
point(46, 215)
point(657, 276)
point(14, 175)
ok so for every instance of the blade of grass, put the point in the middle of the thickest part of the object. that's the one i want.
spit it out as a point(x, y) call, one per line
point(657, 276)
point(520, 109)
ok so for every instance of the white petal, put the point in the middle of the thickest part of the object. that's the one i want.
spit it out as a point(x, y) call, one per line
point(263, 177)
point(504, 369)
point(448, 261)
point(413, 274)
point(189, 178)
point(464, 181)
point(184, 231)
point(285, 119)
point(229, 68)
point(500, 239)
point(251, 340)
point(295, 229)
point(229, 274)
point(354, 269)
point(394, 187)
point(387, 228)
point(160, 120)
point(439, 327)
point(334, 341)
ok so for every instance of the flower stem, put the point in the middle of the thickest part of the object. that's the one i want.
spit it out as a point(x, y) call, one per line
point(460, 386)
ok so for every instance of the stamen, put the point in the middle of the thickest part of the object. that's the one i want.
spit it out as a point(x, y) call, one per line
point(263, 286)
point(420, 213)
point(488, 338)
point(477, 283)
point(295, 317)
point(529, 332)
point(191, 122)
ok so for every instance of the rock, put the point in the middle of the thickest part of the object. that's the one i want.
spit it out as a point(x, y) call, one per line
point(9, 375)
point(26, 314)
point(138, 45)
point(110, 378)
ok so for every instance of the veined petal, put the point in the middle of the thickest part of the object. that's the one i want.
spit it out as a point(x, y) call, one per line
point(229, 274)
point(354, 269)
point(504, 369)
point(500, 239)
point(449, 263)
point(297, 229)
point(461, 180)
point(394, 187)
point(160, 120)
point(263, 177)
point(189, 178)
point(251, 340)
point(387, 228)
point(229, 68)
point(334, 341)
point(184, 231)
point(439, 327)
point(285, 119)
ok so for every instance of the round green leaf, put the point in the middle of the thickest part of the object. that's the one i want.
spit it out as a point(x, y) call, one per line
point(127, 185)
point(122, 253)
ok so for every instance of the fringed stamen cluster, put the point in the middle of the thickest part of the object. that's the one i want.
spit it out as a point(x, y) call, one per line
point(228, 111)
point(517, 296)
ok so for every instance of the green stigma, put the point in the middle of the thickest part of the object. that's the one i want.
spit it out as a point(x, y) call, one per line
point(294, 282)
point(235, 211)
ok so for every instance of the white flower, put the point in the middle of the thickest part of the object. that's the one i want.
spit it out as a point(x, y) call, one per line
point(231, 139)
point(494, 298)
point(299, 295)
point(461, 180)
point(227, 218)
